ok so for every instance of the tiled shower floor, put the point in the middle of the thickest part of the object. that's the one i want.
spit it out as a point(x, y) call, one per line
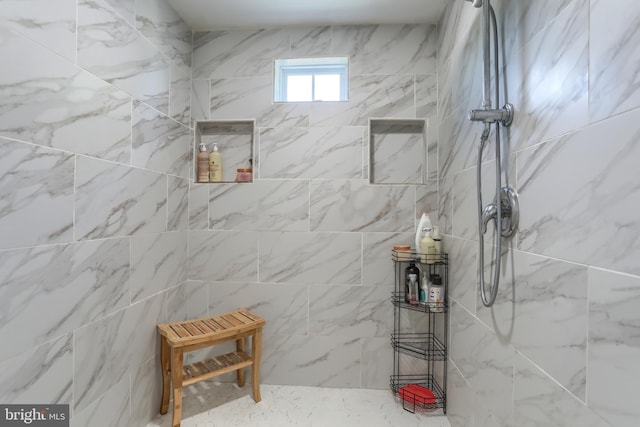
point(209, 404)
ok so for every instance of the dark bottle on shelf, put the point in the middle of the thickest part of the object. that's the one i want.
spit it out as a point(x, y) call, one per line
point(412, 284)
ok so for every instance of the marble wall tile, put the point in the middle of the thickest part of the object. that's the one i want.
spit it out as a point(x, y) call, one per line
point(42, 374)
point(198, 206)
point(555, 91)
point(482, 417)
point(369, 96)
point(614, 57)
point(51, 23)
point(593, 204)
point(467, 70)
point(387, 49)
point(284, 307)
point(463, 275)
point(353, 205)
point(158, 262)
point(523, 20)
point(432, 148)
point(427, 95)
point(260, 206)
point(350, 311)
point(538, 401)
point(160, 143)
point(614, 348)
point(485, 361)
point(115, 200)
point(125, 8)
point(223, 255)
point(110, 48)
point(445, 99)
point(465, 202)
point(316, 152)
point(311, 360)
point(176, 303)
point(190, 300)
point(112, 409)
point(109, 350)
point(146, 392)
point(377, 267)
point(309, 42)
point(180, 96)
point(542, 307)
point(200, 99)
point(161, 25)
point(397, 152)
point(178, 204)
point(461, 150)
point(460, 399)
point(252, 97)
point(238, 53)
point(445, 205)
point(310, 258)
point(49, 291)
point(376, 364)
point(48, 101)
point(427, 200)
point(35, 180)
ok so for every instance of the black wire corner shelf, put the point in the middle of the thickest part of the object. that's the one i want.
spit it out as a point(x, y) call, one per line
point(422, 336)
point(414, 403)
point(425, 346)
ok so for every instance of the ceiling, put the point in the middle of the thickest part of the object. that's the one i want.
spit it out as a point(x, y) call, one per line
point(220, 14)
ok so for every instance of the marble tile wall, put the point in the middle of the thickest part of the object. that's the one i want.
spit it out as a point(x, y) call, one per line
point(560, 344)
point(307, 245)
point(95, 159)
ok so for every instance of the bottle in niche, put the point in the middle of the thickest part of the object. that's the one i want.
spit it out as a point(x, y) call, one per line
point(202, 165)
point(412, 284)
point(215, 165)
point(436, 293)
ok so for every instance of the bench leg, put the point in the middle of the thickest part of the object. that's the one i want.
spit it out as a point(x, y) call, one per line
point(256, 353)
point(176, 376)
point(165, 354)
point(240, 372)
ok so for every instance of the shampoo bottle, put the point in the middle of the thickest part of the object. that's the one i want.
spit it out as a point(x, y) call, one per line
point(437, 238)
point(412, 284)
point(428, 248)
point(215, 165)
point(436, 294)
point(423, 224)
point(202, 165)
point(424, 290)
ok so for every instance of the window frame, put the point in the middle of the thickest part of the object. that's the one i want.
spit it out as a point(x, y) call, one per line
point(284, 68)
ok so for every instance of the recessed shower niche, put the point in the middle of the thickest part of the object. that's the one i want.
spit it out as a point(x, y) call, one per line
point(397, 151)
point(235, 140)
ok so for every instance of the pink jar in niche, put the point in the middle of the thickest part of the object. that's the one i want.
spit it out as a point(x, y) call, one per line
point(244, 175)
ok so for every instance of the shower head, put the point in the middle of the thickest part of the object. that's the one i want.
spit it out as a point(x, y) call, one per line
point(475, 3)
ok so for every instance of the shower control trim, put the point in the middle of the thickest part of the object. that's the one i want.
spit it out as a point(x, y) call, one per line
point(510, 212)
point(503, 115)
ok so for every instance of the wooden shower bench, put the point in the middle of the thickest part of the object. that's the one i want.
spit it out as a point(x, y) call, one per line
point(178, 338)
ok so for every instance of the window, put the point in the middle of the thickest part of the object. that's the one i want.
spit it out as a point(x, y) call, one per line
point(311, 79)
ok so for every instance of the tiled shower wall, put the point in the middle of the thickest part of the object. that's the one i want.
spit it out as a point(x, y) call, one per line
point(307, 245)
point(95, 152)
point(560, 345)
